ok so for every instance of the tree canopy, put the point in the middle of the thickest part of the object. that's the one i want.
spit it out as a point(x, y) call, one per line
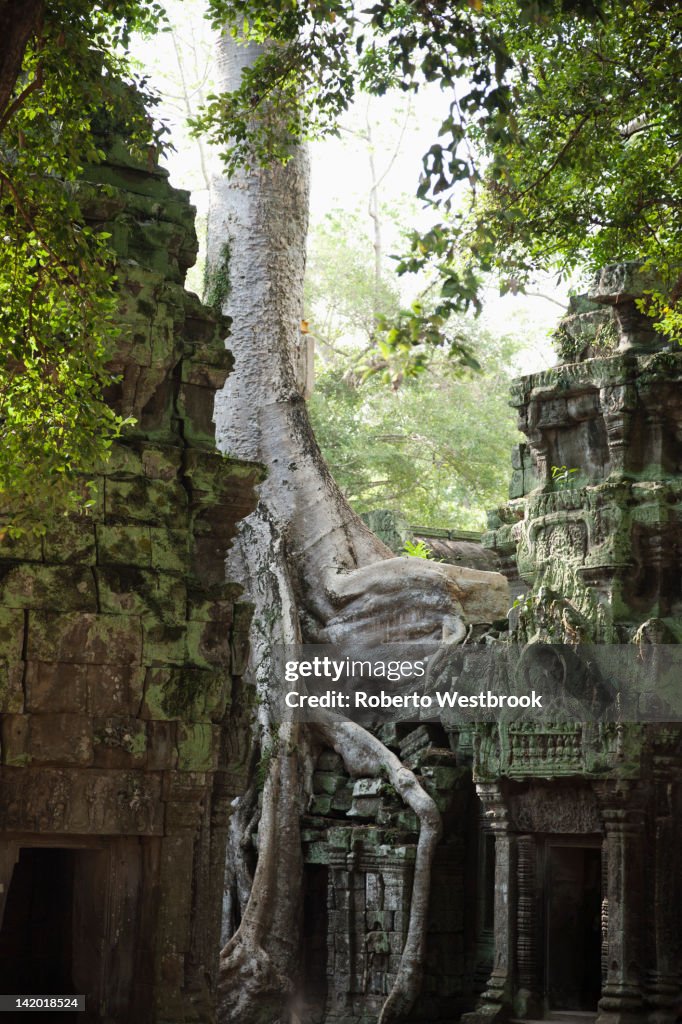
point(559, 148)
point(57, 276)
point(559, 145)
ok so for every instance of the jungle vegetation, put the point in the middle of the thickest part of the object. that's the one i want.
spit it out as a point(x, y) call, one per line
point(559, 147)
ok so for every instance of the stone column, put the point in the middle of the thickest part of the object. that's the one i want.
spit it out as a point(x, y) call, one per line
point(621, 1000)
point(528, 1002)
point(186, 796)
point(496, 1001)
point(341, 926)
point(485, 936)
point(617, 404)
point(664, 982)
point(604, 912)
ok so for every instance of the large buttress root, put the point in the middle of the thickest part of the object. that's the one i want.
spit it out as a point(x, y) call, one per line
point(312, 569)
point(257, 966)
point(241, 829)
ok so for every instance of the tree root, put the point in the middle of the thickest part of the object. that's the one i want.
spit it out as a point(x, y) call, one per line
point(364, 754)
point(251, 990)
point(256, 976)
point(241, 827)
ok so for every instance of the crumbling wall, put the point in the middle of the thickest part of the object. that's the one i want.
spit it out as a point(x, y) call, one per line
point(362, 839)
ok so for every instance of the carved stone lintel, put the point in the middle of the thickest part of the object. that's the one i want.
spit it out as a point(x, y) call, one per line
point(538, 810)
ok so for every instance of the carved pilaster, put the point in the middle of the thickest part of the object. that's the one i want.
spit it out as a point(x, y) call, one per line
point(485, 937)
point(617, 406)
point(664, 981)
point(341, 931)
point(604, 912)
point(496, 1001)
point(655, 405)
point(622, 994)
point(527, 1002)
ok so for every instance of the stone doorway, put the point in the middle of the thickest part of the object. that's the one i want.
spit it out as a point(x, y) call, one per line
point(572, 926)
point(36, 938)
point(312, 998)
point(52, 934)
point(36, 934)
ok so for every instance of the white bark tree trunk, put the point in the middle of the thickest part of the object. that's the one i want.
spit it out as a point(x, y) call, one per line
point(312, 568)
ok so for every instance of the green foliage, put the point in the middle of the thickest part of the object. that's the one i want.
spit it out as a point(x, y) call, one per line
point(566, 133)
point(436, 444)
point(436, 448)
point(589, 172)
point(317, 53)
point(407, 337)
point(342, 294)
point(601, 339)
point(57, 275)
point(346, 301)
point(524, 605)
point(562, 475)
point(217, 283)
point(418, 550)
point(584, 169)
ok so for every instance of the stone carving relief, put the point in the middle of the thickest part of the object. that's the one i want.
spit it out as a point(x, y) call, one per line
point(56, 800)
point(539, 809)
point(550, 539)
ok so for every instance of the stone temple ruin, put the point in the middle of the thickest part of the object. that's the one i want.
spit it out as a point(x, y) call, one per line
point(558, 885)
point(125, 723)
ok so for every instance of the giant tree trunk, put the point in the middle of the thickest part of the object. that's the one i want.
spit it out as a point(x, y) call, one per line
point(312, 568)
point(19, 20)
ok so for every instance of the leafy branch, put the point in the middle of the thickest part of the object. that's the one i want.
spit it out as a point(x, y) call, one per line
point(58, 299)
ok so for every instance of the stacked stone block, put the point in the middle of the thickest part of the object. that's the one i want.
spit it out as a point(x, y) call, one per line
point(364, 838)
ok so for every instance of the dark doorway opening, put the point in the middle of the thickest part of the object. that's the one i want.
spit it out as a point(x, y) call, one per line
point(36, 934)
point(36, 938)
point(573, 927)
point(313, 997)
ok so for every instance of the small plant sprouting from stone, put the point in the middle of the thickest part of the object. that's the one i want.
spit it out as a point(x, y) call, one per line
point(524, 603)
point(416, 550)
point(562, 475)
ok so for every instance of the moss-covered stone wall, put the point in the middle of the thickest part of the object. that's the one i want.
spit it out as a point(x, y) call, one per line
point(124, 721)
